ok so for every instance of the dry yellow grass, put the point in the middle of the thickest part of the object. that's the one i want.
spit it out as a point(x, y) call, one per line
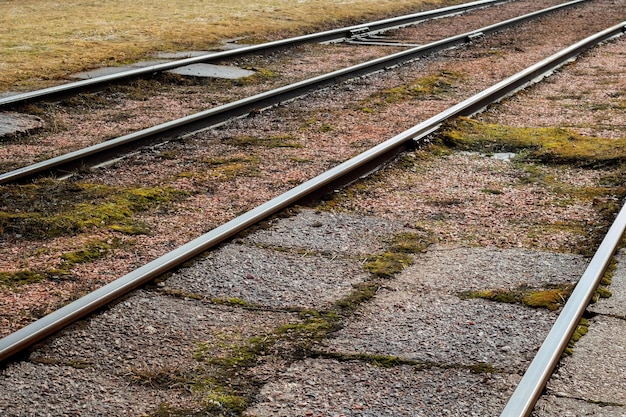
point(56, 38)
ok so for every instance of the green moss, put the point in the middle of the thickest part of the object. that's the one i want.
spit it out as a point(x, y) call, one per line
point(362, 292)
point(224, 169)
point(550, 298)
point(225, 404)
point(50, 208)
point(169, 155)
point(601, 292)
point(325, 128)
point(422, 88)
point(219, 403)
point(580, 331)
point(547, 145)
point(22, 277)
point(231, 301)
point(80, 363)
point(93, 250)
point(387, 264)
point(411, 242)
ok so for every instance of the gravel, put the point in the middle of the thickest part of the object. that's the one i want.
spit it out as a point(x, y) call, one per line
point(457, 357)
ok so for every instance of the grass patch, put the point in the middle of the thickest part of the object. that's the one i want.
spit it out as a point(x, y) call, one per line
point(548, 145)
point(50, 208)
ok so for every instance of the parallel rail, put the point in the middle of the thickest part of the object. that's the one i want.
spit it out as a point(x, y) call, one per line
point(365, 162)
point(208, 118)
point(335, 35)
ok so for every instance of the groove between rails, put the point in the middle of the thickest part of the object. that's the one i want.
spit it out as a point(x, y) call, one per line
point(36, 331)
point(335, 35)
point(216, 115)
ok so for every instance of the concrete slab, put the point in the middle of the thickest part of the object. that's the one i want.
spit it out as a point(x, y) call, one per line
point(270, 278)
point(212, 71)
point(156, 331)
point(596, 372)
point(438, 329)
point(329, 232)
point(17, 123)
point(553, 406)
point(315, 387)
point(457, 269)
point(119, 361)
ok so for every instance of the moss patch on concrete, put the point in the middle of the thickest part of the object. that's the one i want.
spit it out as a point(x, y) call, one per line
point(551, 298)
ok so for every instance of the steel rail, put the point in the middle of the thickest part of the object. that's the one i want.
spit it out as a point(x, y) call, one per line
point(523, 400)
point(219, 114)
point(530, 387)
point(36, 331)
point(334, 35)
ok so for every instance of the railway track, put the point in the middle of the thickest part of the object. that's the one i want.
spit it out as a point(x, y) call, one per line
point(110, 148)
point(344, 34)
point(307, 320)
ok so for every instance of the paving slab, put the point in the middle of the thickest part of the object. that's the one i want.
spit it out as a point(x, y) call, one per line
point(596, 371)
point(336, 233)
point(553, 406)
point(458, 269)
point(148, 335)
point(12, 123)
point(444, 330)
point(420, 316)
point(324, 387)
point(212, 71)
point(270, 278)
point(101, 72)
point(156, 330)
